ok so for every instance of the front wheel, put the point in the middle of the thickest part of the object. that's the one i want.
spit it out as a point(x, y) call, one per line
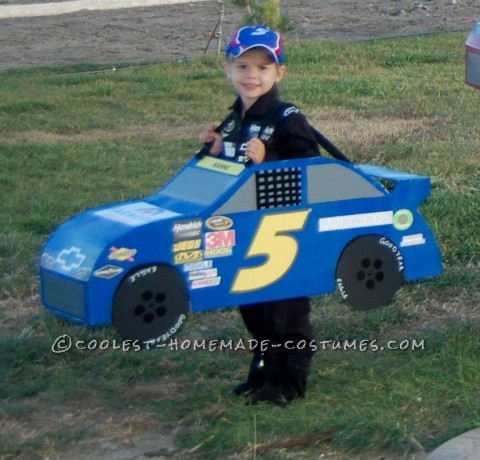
point(151, 303)
point(369, 272)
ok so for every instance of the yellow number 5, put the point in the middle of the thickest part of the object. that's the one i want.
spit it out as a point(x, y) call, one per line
point(280, 250)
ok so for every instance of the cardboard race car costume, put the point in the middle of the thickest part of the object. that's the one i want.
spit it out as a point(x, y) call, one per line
point(222, 234)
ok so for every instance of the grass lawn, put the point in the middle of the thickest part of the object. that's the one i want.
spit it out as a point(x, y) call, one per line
point(399, 380)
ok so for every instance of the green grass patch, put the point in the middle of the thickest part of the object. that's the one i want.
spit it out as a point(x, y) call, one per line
point(77, 137)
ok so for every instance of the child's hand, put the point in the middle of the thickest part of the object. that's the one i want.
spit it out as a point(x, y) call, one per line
point(211, 136)
point(255, 150)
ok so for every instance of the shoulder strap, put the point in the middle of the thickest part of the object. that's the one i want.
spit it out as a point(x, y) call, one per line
point(285, 109)
point(331, 148)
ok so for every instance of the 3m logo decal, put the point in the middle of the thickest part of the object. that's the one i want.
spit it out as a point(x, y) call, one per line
point(224, 239)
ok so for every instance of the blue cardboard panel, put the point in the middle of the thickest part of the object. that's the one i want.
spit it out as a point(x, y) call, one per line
point(233, 235)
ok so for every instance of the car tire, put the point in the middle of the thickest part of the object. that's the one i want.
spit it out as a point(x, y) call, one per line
point(369, 272)
point(150, 304)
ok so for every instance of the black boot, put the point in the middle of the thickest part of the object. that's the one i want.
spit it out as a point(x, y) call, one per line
point(286, 379)
point(255, 379)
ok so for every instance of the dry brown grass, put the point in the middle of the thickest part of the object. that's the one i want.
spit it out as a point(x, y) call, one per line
point(356, 135)
point(151, 132)
point(359, 135)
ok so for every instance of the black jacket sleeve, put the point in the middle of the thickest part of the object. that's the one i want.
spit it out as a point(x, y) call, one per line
point(294, 138)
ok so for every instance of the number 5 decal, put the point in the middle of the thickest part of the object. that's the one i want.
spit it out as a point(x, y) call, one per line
point(279, 248)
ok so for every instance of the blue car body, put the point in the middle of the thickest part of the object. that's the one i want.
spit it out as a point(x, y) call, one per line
point(233, 234)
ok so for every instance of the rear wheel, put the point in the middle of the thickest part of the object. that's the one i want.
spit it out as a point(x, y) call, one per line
point(151, 303)
point(369, 272)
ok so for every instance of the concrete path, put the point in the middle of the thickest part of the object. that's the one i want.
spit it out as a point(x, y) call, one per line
point(463, 447)
point(74, 6)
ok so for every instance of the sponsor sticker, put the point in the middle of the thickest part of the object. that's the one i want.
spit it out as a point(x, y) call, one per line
point(217, 252)
point(413, 240)
point(135, 214)
point(108, 272)
point(368, 219)
point(403, 219)
point(187, 245)
point(122, 254)
point(202, 274)
point(219, 223)
point(187, 256)
point(189, 229)
point(202, 265)
point(208, 282)
point(223, 239)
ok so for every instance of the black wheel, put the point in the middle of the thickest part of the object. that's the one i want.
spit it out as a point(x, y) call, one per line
point(151, 303)
point(369, 272)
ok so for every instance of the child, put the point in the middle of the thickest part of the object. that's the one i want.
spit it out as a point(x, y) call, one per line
point(263, 128)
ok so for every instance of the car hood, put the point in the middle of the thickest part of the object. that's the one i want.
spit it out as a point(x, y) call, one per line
point(76, 245)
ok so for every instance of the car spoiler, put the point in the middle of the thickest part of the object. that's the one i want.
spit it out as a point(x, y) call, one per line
point(410, 186)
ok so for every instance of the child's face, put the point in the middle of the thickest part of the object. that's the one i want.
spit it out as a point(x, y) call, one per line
point(253, 74)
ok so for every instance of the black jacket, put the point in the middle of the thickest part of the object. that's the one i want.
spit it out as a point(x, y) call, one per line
point(285, 131)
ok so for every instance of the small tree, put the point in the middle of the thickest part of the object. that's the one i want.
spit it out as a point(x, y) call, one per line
point(265, 12)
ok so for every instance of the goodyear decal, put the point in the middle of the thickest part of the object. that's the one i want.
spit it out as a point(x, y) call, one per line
point(108, 272)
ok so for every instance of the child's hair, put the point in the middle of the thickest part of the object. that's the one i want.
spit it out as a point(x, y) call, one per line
point(250, 37)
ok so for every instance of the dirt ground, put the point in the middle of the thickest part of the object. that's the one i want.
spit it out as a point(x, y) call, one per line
point(182, 30)
point(177, 32)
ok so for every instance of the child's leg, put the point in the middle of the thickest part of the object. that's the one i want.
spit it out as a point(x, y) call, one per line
point(288, 359)
point(253, 317)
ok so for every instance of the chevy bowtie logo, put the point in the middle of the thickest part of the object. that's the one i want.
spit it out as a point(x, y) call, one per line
point(70, 259)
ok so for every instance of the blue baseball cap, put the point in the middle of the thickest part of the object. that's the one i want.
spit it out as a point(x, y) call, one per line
point(261, 36)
